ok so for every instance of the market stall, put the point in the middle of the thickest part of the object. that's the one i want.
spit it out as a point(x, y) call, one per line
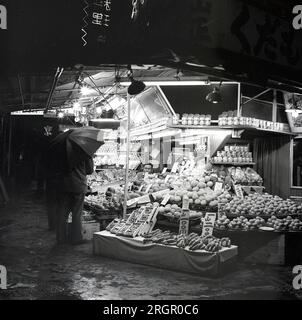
point(203, 165)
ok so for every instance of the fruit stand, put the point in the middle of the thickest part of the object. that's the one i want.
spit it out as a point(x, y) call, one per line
point(202, 166)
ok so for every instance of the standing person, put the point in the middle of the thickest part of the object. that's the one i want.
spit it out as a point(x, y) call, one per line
point(72, 189)
point(52, 177)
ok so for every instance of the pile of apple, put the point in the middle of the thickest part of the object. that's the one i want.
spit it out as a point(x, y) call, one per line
point(222, 223)
point(262, 204)
point(192, 183)
point(172, 210)
point(157, 185)
point(284, 224)
point(255, 224)
point(104, 202)
point(278, 206)
point(239, 223)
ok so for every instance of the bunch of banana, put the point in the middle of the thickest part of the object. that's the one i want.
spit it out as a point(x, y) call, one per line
point(152, 234)
point(197, 244)
point(181, 241)
point(161, 237)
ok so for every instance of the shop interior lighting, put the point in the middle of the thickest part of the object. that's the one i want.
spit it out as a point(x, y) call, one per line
point(60, 114)
point(98, 110)
point(215, 95)
point(294, 112)
point(294, 106)
point(85, 90)
point(77, 106)
point(173, 83)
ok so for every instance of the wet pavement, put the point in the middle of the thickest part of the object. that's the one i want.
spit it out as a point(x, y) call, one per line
point(39, 269)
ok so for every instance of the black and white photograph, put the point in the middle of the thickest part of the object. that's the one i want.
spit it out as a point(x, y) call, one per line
point(150, 152)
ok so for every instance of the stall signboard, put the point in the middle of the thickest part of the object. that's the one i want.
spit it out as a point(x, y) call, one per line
point(208, 224)
point(165, 199)
point(131, 202)
point(293, 106)
point(218, 186)
point(164, 170)
point(233, 34)
point(258, 189)
point(184, 222)
point(247, 189)
point(175, 167)
point(238, 191)
point(185, 204)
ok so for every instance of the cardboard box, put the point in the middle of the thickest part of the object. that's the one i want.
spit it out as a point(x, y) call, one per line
point(88, 229)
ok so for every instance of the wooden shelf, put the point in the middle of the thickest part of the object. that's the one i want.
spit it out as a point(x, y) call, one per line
point(237, 164)
point(214, 127)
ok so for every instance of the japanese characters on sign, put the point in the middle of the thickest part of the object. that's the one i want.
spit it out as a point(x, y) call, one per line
point(238, 190)
point(184, 222)
point(101, 13)
point(98, 14)
point(208, 224)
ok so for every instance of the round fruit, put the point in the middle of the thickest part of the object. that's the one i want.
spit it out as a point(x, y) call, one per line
point(201, 185)
point(210, 184)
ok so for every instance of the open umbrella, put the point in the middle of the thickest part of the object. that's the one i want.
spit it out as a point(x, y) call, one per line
point(73, 146)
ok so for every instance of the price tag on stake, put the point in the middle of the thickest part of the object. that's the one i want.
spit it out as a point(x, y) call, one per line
point(167, 178)
point(185, 204)
point(184, 222)
point(208, 225)
point(218, 186)
point(175, 167)
point(148, 187)
point(165, 200)
point(207, 231)
point(238, 191)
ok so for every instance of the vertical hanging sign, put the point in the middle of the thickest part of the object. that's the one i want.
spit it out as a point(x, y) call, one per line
point(97, 18)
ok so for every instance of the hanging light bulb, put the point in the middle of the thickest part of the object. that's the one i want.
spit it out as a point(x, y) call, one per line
point(85, 90)
point(136, 86)
point(98, 110)
point(60, 114)
point(214, 96)
point(84, 110)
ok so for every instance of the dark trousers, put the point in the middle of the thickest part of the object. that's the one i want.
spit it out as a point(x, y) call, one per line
point(51, 202)
point(70, 202)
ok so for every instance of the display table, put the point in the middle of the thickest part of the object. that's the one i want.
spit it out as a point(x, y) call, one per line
point(167, 257)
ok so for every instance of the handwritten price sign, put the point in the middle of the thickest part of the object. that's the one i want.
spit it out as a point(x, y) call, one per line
point(208, 225)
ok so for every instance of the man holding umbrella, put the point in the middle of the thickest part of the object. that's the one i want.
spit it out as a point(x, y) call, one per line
point(73, 151)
